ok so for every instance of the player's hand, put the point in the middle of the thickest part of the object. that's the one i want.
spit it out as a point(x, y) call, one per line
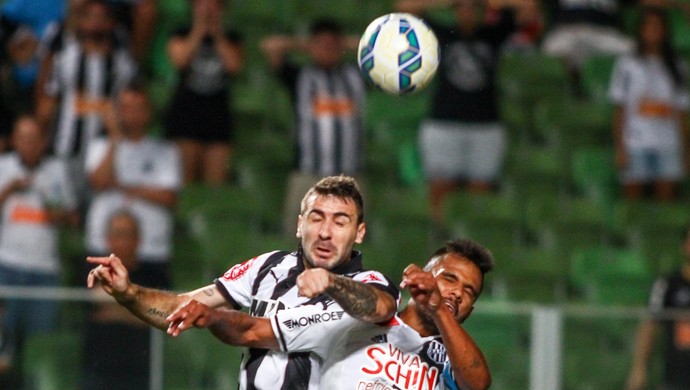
point(422, 286)
point(190, 314)
point(313, 282)
point(112, 275)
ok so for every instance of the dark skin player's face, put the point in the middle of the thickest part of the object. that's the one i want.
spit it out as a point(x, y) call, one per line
point(460, 282)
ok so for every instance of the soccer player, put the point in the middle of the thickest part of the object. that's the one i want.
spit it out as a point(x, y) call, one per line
point(423, 347)
point(330, 223)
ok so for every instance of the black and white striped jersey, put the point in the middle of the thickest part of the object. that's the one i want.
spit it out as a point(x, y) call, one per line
point(329, 109)
point(359, 355)
point(266, 285)
point(80, 82)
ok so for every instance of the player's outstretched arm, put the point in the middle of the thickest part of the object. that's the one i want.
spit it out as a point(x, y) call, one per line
point(150, 305)
point(470, 369)
point(230, 326)
point(360, 300)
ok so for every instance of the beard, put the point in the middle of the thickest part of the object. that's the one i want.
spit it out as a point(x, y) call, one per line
point(427, 322)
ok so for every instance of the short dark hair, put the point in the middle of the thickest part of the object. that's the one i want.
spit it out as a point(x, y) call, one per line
point(468, 249)
point(123, 213)
point(343, 187)
point(325, 25)
point(102, 3)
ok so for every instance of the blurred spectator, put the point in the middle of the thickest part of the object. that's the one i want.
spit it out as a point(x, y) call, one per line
point(108, 324)
point(650, 91)
point(5, 125)
point(579, 29)
point(670, 293)
point(199, 117)
point(328, 97)
point(85, 71)
point(133, 171)
point(25, 23)
point(463, 139)
point(139, 18)
point(35, 195)
point(529, 20)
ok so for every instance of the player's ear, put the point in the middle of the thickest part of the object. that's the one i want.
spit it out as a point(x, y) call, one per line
point(299, 227)
point(361, 231)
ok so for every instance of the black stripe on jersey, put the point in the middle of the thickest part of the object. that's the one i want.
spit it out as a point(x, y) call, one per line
point(266, 267)
point(81, 94)
point(110, 75)
point(256, 356)
point(297, 372)
point(298, 368)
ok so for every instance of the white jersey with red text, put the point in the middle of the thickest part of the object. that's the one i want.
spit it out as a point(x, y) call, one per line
point(361, 356)
point(266, 285)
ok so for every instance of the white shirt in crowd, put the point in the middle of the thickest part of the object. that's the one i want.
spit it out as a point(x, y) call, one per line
point(645, 90)
point(28, 240)
point(151, 163)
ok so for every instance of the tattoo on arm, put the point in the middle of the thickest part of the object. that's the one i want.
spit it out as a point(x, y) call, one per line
point(358, 299)
point(208, 292)
point(155, 312)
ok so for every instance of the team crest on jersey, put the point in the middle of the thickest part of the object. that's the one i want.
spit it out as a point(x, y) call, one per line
point(238, 270)
point(436, 352)
point(300, 322)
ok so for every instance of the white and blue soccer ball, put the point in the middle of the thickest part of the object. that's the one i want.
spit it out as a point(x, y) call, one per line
point(398, 53)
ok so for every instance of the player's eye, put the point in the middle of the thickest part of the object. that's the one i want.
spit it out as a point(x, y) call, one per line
point(315, 218)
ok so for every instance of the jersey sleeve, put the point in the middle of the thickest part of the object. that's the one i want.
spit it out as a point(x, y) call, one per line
point(236, 283)
point(311, 328)
point(379, 281)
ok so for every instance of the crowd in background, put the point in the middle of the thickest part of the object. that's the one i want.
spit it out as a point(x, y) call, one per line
point(77, 124)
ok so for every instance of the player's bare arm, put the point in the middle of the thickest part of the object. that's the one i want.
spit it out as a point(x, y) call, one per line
point(230, 326)
point(150, 305)
point(470, 369)
point(358, 299)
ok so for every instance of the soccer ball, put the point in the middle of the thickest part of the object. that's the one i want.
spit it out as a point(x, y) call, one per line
point(398, 53)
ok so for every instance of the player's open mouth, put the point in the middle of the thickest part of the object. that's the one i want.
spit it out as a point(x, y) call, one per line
point(323, 251)
point(450, 306)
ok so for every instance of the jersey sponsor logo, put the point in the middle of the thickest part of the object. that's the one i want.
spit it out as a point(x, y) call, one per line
point(238, 270)
point(404, 370)
point(265, 308)
point(371, 277)
point(313, 319)
point(28, 214)
point(436, 352)
point(375, 385)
